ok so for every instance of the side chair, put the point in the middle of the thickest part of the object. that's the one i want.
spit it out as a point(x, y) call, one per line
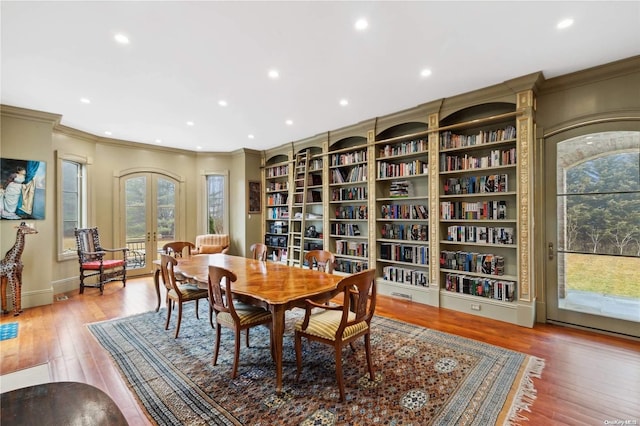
point(232, 314)
point(94, 260)
point(339, 325)
point(259, 251)
point(322, 259)
point(178, 248)
point(176, 292)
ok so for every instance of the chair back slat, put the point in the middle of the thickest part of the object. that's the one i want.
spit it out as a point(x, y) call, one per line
point(88, 240)
point(323, 260)
point(167, 264)
point(220, 299)
point(178, 248)
point(359, 291)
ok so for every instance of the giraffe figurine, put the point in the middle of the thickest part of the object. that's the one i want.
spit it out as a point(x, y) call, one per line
point(11, 270)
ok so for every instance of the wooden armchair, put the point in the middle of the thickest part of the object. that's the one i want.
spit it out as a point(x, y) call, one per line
point(176, 292)
point(259, 251)
point(322, 259)
point(212, 243)
point(94, 262)
point(232, 314)
point(178, 248)
point(340, 325)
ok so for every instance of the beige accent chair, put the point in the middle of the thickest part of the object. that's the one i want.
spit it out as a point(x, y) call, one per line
point(212, 243)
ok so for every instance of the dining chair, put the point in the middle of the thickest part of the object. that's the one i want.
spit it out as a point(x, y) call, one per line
point(95, 262)
point(176, 292)
point(322, 259)
point(339, 325)
point(178, 248)
point(232, 314)
point(259, 251)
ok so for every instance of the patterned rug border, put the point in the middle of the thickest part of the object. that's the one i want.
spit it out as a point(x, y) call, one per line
point(518, 394)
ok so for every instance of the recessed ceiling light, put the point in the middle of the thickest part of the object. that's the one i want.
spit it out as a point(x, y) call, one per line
point(190, 123)
point(85, 100)
point(289, 122)
point(198, 147)
point(274, 74)
point(565, 23)
point(361, 24)
point(121, 38)
point(344, 102)
point(250, 136)
point(222, 103)
point(108, 133)
point(158, 140)
point(425, 72)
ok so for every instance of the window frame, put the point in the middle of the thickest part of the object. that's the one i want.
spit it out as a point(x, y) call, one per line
point(225, 209)
point(84, 207)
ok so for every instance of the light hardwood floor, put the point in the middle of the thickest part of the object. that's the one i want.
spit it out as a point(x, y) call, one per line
point(589, 379)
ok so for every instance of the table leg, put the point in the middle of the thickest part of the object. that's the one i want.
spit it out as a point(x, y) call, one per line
point(156, 281)
point(277, 332)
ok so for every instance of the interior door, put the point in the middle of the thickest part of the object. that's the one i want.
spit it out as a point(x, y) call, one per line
point(593, 229)
point(150, 217)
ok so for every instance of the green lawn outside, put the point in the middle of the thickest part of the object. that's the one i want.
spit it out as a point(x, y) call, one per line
point(610, 275)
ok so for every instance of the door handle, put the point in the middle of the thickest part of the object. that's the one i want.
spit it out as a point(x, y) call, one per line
point(550, 251)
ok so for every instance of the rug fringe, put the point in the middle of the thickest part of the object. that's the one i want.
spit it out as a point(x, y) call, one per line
point(527, 393)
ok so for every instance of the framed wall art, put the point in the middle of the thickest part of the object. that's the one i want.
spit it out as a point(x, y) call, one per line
point(255, 196)
point(22, 189)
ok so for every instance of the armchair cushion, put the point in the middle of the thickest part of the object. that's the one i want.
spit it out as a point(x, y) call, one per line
point(107, 264)
point(212, 240)
point(210, 249)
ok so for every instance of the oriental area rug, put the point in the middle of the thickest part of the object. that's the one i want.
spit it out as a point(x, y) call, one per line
point(423, 377)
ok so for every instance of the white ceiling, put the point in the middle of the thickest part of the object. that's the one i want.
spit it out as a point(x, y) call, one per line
point(184, 57)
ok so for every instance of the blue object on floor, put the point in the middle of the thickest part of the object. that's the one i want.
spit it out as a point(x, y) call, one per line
point(8, 330)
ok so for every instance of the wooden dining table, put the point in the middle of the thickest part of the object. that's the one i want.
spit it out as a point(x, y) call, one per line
point(274, 286)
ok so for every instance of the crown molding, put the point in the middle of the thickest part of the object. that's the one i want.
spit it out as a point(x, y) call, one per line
point(29, 114)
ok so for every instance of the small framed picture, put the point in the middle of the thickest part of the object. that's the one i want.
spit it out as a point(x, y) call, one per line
point(255, 196)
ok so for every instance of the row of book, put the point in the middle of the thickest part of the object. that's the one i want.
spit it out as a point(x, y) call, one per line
point(478, 210)
point(315, 164)
point(410, 168)
point(403, 148)
point(405, 253)
point(480, 234)
point(353, 193)
point(481, 263)
point(450, 140)
point(349, 158)
point(398, 231)
point(345, 229)
point(351, 266)
point(278, 186)
point(475, 184)
point(478, 286)
point(406, 276)
point(404, 211)
point(352, 248)
point(356, 174)
point(278, 213)
point(352, 212)
point(277, 171)
point(505, 157)
point(277, 199)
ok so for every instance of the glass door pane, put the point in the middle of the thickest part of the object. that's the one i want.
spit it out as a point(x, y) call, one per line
point(597, 201)
point(136, 221)
point(165, 208)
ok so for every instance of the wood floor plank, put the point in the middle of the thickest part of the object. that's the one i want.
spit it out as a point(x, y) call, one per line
point(588, 379)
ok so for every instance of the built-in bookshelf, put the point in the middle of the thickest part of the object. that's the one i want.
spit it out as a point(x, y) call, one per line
point(277, 188)
point(313, 211)
point(402, 210)
point(478, 217)
point(349, 205)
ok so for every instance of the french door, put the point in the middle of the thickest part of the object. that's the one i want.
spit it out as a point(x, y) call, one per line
point(149, 217)
point(593, 228)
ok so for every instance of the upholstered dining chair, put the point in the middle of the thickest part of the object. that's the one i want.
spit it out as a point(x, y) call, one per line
point(322, 259)
point(178, 248)
point(212, 243)
point(339, 325)
point(232, 314)
point(176, 292)
point(259, 251)
point(95, 262)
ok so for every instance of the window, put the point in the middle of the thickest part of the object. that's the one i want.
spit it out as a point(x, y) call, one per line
point(217, 203)
point(72, 203)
